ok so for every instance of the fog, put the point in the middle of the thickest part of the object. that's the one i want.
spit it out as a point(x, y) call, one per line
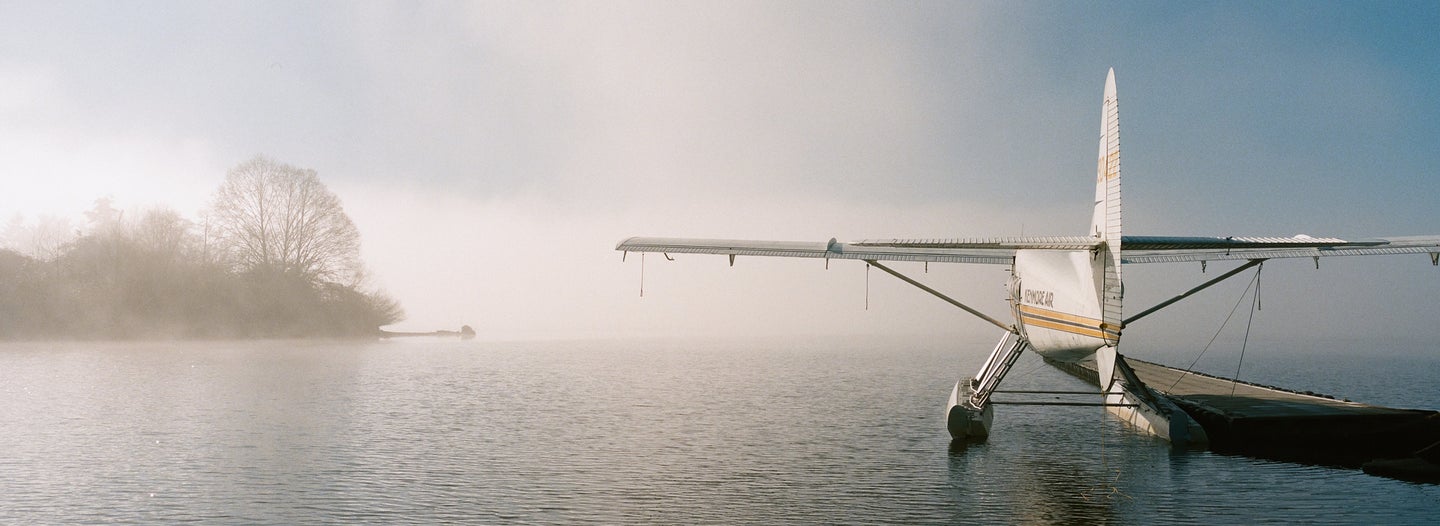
point(492, 154)
point(530, 268)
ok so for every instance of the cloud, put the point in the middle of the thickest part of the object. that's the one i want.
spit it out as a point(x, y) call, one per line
point(532, 267)
point(633, 101)
point(54, 164)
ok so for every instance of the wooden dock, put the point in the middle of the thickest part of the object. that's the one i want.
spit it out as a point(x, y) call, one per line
point(1270, 422)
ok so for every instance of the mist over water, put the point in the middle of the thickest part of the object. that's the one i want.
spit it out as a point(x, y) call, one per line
point(492, 154)
point(820, 430)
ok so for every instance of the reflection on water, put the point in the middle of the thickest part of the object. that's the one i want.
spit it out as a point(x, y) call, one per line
point(607, 432)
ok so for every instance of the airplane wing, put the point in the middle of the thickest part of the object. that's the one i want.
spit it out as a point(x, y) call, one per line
point(1001, 250)
point(1157, 249)
point(995, 251)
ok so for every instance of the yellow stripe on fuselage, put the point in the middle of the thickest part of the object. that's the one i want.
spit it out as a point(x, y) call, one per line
point(1064, 322)
point(1082, 331)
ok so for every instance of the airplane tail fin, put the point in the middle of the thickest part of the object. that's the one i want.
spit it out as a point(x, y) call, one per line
point(1105, 223)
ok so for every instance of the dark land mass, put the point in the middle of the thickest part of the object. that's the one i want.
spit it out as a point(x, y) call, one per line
point(94, 291)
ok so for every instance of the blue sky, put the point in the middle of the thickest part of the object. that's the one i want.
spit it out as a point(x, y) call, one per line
point(493, 153)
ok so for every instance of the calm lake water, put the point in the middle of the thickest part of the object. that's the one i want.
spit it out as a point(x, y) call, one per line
point(620, 432)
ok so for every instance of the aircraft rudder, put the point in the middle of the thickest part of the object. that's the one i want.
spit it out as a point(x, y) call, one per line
point(1105, 223)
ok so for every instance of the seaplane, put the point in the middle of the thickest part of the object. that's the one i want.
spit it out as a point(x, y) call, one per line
point(1065, 293)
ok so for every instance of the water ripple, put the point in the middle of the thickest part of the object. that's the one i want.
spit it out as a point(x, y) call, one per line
point(598, 432)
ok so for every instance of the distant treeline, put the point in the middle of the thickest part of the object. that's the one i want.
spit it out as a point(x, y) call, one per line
point(274, 257)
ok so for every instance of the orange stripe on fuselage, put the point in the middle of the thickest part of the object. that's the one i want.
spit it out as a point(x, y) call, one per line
point(1044, 324)
point(1063, 322)
point(1055, 314)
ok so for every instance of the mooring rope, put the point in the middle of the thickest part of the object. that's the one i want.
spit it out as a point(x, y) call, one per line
point(1254, 282)
point(1254, 306)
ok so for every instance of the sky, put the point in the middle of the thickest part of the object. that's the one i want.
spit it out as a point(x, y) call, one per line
point(492, 154)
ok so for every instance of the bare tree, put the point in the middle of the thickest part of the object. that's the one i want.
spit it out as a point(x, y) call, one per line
point(45, 241)
point(276, 217)
point(163, 233)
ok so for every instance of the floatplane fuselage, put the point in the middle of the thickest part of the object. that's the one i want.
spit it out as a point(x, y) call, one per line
point(1065, 293)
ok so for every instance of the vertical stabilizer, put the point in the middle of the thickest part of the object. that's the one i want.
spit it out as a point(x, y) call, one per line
point(1105, 223)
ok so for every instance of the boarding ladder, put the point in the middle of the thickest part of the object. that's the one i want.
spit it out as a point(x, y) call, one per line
point(995, 368)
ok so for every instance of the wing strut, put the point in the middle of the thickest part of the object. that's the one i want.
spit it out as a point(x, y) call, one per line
point(1187, 293)
point(937, 294)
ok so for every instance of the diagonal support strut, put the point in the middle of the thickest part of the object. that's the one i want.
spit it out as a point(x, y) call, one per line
point(1187, 293)
point(937, 294)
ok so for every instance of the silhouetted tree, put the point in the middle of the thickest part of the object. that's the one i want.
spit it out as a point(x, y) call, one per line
point(103, 215)
point(275, 217)
point(162, 233)
point(43, 241)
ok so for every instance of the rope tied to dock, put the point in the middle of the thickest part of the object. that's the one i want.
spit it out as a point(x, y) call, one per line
point(1255, 303)
point(1254, 306)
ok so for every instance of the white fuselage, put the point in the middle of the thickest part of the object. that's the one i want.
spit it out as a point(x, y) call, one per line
point(1056, 299)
